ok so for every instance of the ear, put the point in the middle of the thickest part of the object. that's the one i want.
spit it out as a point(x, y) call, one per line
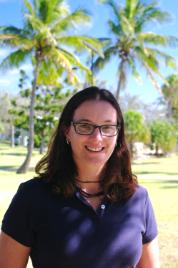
point(67, 133)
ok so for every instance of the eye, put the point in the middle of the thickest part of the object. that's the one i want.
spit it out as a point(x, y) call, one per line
point(84, 127)
point(108, 128)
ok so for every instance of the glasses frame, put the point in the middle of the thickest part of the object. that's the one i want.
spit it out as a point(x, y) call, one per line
point(74, 124)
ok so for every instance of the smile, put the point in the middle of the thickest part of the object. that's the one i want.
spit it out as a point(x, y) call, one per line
point(94, 149)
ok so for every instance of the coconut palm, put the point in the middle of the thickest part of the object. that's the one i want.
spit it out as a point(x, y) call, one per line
point(132, 44)
point(170, 93)
point(46, 37)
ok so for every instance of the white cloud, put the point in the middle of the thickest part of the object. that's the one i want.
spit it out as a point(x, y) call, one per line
point(26, 67)
point(5, 82)
point(9, 79)
point(12, 72)
point(3, 52)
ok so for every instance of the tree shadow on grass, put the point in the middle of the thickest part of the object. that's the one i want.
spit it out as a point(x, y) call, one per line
point(14, 154)
point(169, 187)
point(8, 168)
point(13, 169)
point(169, 184)
point(156, 172)
point(164, 184)
point(146, 163)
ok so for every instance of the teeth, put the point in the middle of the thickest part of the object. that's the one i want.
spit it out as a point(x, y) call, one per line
point(94, 149)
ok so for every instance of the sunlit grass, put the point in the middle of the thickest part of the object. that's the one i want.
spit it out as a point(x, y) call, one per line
point(158, 175)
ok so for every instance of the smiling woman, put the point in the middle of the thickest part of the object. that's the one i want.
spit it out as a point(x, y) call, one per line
point(85, 206)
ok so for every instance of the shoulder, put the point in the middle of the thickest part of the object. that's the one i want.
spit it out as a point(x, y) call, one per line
point(32, 190)
point(34, 182)
point(140, 199)
point(140, 193)
point(34, 185)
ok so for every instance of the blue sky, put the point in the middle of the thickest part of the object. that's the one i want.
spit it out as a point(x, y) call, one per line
point(11, 14)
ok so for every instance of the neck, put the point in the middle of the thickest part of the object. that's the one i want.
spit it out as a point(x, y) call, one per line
point(90, 174)
point(89, 177)
point(78, 180)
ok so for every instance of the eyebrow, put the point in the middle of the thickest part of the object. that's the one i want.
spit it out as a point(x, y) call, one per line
point(91, 122)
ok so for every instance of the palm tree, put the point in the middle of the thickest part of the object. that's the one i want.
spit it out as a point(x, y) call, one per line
point(46, 38)
point(170, 93)
point(132, 44)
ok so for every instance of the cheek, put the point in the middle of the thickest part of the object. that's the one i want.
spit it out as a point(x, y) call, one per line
point(77, 142)
point(113, 142)
point(111, 146)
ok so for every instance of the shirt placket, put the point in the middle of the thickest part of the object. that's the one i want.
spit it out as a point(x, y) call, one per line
point(100, 211)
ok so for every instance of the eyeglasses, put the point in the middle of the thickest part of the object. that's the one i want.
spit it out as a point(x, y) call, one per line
point(88, 129)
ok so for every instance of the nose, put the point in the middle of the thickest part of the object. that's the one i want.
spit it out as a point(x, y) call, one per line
point(96, 134)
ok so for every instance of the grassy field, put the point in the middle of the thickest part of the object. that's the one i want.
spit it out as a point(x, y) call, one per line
point(158, 175)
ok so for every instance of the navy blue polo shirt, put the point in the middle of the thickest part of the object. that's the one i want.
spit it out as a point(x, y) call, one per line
point(68, 233)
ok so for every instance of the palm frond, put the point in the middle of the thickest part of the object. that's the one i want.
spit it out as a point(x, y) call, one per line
point(127, 26)
point(152, 78)
point(50, 11)
point(115, 28)
point(130, 7)
point(79, 16)
point(49, 74)
point(5, 37)
point(151, 65)
point(14, 59)
point(35, 22)
point(16, 41)
point(169, 60)
point(133, 67)
point(146, 14)
point(67, 61)
point(150, 59)
point(81, 43)
point(153, 38)
point(73, 60)
point(29, 7)
point(115, 8)
point(63, 8)
point(153, 13)
point(10, 30)
point(100, 61)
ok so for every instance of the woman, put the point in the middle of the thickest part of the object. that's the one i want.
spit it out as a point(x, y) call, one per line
point(85, 208)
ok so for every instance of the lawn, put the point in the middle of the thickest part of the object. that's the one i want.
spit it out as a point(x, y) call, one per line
point(158, 175)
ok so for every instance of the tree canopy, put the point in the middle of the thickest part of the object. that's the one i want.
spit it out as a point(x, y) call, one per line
point(170, 93)
point(133, 44)
point(46, 38)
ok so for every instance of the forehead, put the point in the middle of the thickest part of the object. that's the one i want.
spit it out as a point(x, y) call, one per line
point(96, 110)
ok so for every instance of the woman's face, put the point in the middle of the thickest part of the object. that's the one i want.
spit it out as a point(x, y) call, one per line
point(94, 149)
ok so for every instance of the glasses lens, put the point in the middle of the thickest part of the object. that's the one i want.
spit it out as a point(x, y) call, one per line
point(83, 128)
point(109, 130)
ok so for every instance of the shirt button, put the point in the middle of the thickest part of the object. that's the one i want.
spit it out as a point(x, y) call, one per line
point(103, 206)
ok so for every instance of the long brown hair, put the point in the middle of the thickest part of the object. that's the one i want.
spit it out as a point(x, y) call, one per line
point(58, 167)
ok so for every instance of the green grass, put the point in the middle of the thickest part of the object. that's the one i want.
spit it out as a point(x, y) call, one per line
point(158, 175)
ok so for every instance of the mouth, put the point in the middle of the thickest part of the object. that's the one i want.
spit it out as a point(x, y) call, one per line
point(94, 149)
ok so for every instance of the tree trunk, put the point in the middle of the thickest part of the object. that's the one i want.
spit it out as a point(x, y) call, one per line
point(169, 109)
point(42, 144)
point(92, 68)
point(12, 136)
point(25, 165)
point(156, 150)
point(118, 89)
point(131, 149)
point(121, 80)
